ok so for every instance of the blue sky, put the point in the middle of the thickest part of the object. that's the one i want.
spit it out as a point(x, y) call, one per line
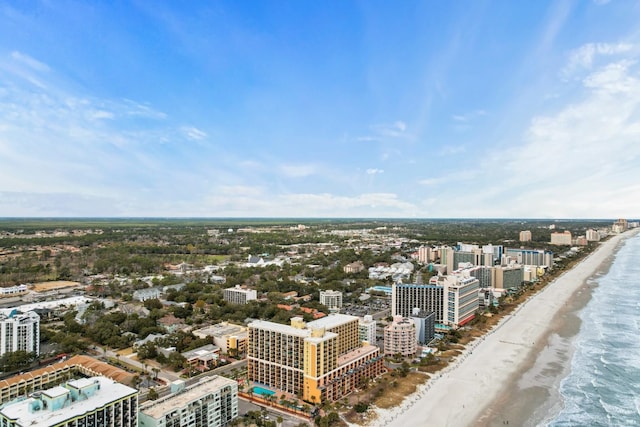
point(320, 109)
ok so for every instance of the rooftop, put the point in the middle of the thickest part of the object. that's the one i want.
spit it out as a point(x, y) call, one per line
point(204, 352)
point(108, 392)
point(332, 320)
point(158, 408)
point(357, 354)
point(280, 328)
point(221, 329)
point(326, 337)
point(87, 362)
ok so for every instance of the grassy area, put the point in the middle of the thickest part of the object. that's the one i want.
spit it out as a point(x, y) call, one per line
point(399, 388)
point(386, 392)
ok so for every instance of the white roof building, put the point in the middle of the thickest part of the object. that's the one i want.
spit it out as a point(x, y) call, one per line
point(97, 401)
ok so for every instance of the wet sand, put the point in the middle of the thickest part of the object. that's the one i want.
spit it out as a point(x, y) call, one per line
point(513, 373)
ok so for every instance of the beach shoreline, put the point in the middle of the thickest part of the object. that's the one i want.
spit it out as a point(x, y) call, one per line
point(512, 373)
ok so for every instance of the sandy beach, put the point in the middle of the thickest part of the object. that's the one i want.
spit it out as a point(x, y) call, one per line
point(511, 375)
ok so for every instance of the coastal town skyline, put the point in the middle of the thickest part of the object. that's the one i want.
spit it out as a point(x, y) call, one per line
point(338, 109)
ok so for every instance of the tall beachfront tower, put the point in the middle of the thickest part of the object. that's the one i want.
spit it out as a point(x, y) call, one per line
point(406, 296)
point(454, 298)
point(321, 360)
point(19, 331)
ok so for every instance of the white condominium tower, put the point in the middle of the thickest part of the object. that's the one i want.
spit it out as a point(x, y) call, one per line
point(239, 295)
point(19, 331)
point(331, 299)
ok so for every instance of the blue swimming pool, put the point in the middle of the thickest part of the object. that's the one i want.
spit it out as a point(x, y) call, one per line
point(263, 391)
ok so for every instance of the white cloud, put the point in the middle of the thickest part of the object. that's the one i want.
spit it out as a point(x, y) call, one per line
point(397, 129)
point(385, 131)
point(469, 116)
point(368, 204)
point(374, 171)
point(101, 114)
point(401, 126)
point(241, 190)
point(63, 142)
point(141, 110)
point(194, 133)
point(30, 62)
point(298, 171)
point(431, 181)
point(451, 150)
point(367, 138)
point(580, 161)
point(583, 57)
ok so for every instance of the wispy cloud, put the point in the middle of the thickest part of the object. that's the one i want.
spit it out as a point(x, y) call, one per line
point(54, 140)
point(367, 138)
point(469, 116)
point(397, 129)
point(30, 62)
point(374, 171)
point(452, 150)
point(431, 181)
point(584, 155)
point(194, 133)
point(241, 190)
point(387, 131)
point(298, 171)
point(583, 57)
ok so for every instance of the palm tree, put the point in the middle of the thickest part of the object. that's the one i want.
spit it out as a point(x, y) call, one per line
point(271, 398)
point(156, 371)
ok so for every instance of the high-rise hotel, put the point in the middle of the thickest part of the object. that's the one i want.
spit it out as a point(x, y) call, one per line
point(320, 360)
point(454, 299)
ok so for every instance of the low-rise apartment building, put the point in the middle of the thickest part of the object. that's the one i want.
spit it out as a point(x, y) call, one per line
point(239, 295)
point(95, 401)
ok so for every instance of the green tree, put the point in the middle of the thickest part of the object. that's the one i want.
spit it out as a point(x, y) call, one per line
point(153, 303)
point(148, 350)
point(176, 361)
point(153, 394)
point(14, 360)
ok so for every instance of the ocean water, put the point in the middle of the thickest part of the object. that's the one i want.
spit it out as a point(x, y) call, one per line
point(603, 386)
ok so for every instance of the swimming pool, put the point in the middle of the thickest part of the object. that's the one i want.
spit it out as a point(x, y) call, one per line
point(263, 391)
